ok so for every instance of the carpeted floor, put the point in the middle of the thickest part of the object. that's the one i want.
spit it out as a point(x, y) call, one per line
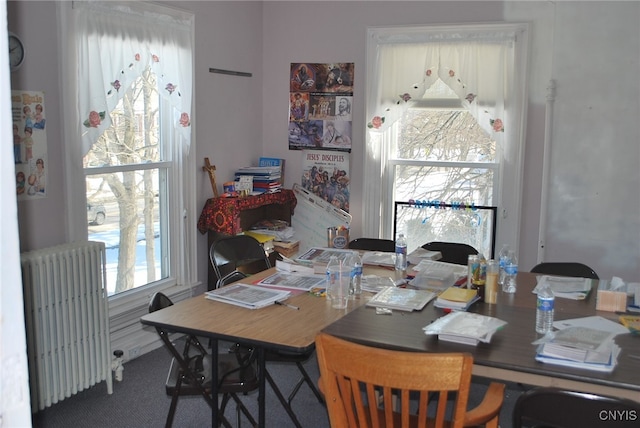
point(139, 401)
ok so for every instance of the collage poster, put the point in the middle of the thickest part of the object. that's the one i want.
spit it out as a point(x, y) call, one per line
point(326, 174)
point(29, 144)
point(320, 106)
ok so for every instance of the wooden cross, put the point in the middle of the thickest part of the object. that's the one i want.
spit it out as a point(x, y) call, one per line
point(211, 169)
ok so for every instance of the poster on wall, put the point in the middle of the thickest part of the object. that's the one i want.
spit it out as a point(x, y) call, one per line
point(320, 106)
point(29, 144)
point(326, 174)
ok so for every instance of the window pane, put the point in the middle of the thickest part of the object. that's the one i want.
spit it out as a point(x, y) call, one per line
point(423, 223)
point(445, 184)
point(133, 137)
point(128, 224)
point(443, 135)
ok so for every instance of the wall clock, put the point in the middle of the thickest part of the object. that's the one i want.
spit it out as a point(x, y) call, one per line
point(16, 52)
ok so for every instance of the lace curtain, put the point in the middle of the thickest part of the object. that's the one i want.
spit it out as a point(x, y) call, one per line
point(116, 42)
point(478, 63)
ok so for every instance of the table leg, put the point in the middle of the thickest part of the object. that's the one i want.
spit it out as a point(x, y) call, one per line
point(261, 387)
point(214, 383)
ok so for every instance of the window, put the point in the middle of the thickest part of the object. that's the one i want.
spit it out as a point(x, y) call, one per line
point(446, 120)
point(131, 72)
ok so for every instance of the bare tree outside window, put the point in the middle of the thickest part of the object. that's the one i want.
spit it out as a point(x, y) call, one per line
point(123, 174)
point(442, 155)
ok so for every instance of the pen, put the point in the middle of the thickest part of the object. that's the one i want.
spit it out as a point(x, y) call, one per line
point(287, 305)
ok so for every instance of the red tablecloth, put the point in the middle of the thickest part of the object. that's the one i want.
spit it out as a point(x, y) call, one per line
point(221, 214)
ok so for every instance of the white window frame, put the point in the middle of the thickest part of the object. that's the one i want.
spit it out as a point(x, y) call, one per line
point(182, 249)
point(377, 213)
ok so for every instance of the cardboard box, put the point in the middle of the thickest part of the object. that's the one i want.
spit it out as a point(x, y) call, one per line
point(608, 300)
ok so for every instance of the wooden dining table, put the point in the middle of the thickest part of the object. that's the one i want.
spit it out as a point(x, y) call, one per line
point(274, 327)
point(510, 356)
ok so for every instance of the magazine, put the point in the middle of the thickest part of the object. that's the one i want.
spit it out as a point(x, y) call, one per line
point(247, 296)
point(293, 281)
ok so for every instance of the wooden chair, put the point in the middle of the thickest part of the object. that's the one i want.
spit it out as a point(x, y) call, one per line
point(544, 407)
point(574, 269)
point(352, 377)
point(190, 371)
point(373, 244)
point(452, 252)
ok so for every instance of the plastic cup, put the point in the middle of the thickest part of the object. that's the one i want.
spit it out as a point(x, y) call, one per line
point(340, 289)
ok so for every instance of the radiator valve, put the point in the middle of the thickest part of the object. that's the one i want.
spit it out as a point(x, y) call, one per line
point(116, 365)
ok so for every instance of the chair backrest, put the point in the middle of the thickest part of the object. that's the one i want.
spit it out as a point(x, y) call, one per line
point(353, 376)
point(569, 409)
point(373, 244)
point(231, 277)
point(452, 252)
point(240, 252)
point(574, 269)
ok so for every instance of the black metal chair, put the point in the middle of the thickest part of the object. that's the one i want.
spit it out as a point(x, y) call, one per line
point(227, 256)
point(373, 244)
point(574, 269)
point(237, 253)
point(553, 407)
point(452, 252)
point(190, 371)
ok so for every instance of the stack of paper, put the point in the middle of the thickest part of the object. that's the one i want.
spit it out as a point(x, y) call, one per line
point(580, 347)
point(456, 298)
point(402, 299)
point(247, 296)
point(465, 327)
point(565, 287)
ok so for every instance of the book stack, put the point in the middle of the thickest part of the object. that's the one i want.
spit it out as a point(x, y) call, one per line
point(465, 327)
point(266, 179)
point(456, 298)
point(287, 248)
point(402, 299)
point(565, 287)
point(580, 347)
point(247, 296)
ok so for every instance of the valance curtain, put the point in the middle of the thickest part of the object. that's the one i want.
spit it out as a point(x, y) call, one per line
point(474, 70)
point(116, 42)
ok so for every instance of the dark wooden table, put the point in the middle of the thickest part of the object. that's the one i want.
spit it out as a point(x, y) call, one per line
point(510, 355)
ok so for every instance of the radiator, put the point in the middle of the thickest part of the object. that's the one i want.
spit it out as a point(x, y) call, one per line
point(67, 321)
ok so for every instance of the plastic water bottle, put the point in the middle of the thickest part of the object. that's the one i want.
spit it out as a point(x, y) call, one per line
point(355, 262)
point(511, 272)
point(401, 253)
point(503, 259)
point(332, 267)
point(545, 309)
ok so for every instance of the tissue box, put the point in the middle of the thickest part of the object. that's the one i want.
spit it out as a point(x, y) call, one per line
point(610, 300)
